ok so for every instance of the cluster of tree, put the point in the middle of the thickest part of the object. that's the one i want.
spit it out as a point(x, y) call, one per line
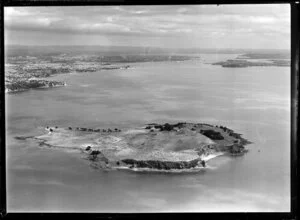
point(95, 152)
point(237, 149)
point(167, 126)
point(235, 135)
point(214, 135)
point(97, 130)
point(224, 128)
point(230, 132)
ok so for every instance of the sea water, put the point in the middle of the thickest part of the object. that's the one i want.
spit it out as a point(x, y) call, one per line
point(253, 101)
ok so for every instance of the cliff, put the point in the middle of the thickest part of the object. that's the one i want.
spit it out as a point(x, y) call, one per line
point(163, 165)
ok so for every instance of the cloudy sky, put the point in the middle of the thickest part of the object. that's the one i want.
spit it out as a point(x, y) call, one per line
point(174, 26)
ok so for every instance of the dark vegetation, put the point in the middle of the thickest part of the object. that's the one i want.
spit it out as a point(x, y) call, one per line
point(166, 126)
point(96, 130)
point(203, 163)
point(96, 155)
point(236, 149)
point(214, 135)
point(95, 152)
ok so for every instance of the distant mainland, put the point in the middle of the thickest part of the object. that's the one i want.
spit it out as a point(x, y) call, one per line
point(27, 72)
point(27, 67)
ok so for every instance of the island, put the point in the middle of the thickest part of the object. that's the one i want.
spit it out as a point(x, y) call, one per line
point(161, 147)
point(238, 63)
point(257, 59)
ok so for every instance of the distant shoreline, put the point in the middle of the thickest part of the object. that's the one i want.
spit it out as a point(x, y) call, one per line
point(256, 59)
point(29, 72)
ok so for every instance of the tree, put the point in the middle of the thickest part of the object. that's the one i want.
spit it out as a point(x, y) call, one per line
point(168, 127)
point(203, 163)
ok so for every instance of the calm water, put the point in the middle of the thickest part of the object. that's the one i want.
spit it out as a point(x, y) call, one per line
point(253, 101)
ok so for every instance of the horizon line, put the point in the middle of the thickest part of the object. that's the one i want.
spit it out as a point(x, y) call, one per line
point(156, 47)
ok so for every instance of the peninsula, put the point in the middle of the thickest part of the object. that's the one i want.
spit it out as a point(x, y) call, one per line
point(257, 59)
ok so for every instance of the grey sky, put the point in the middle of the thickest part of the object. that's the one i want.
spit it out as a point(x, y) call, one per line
point(207, 26)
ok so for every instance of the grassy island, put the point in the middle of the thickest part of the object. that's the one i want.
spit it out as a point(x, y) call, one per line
point(155, 146)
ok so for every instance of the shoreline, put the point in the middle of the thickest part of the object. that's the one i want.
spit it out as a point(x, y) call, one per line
point(197, 168)
point(212, 156)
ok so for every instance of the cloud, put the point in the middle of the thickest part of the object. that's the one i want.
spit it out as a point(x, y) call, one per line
point(173, 21)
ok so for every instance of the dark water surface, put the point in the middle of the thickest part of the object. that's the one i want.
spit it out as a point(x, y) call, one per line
point(253, 101)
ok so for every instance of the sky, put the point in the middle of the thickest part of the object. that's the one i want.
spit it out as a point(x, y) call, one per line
point(167, 26)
